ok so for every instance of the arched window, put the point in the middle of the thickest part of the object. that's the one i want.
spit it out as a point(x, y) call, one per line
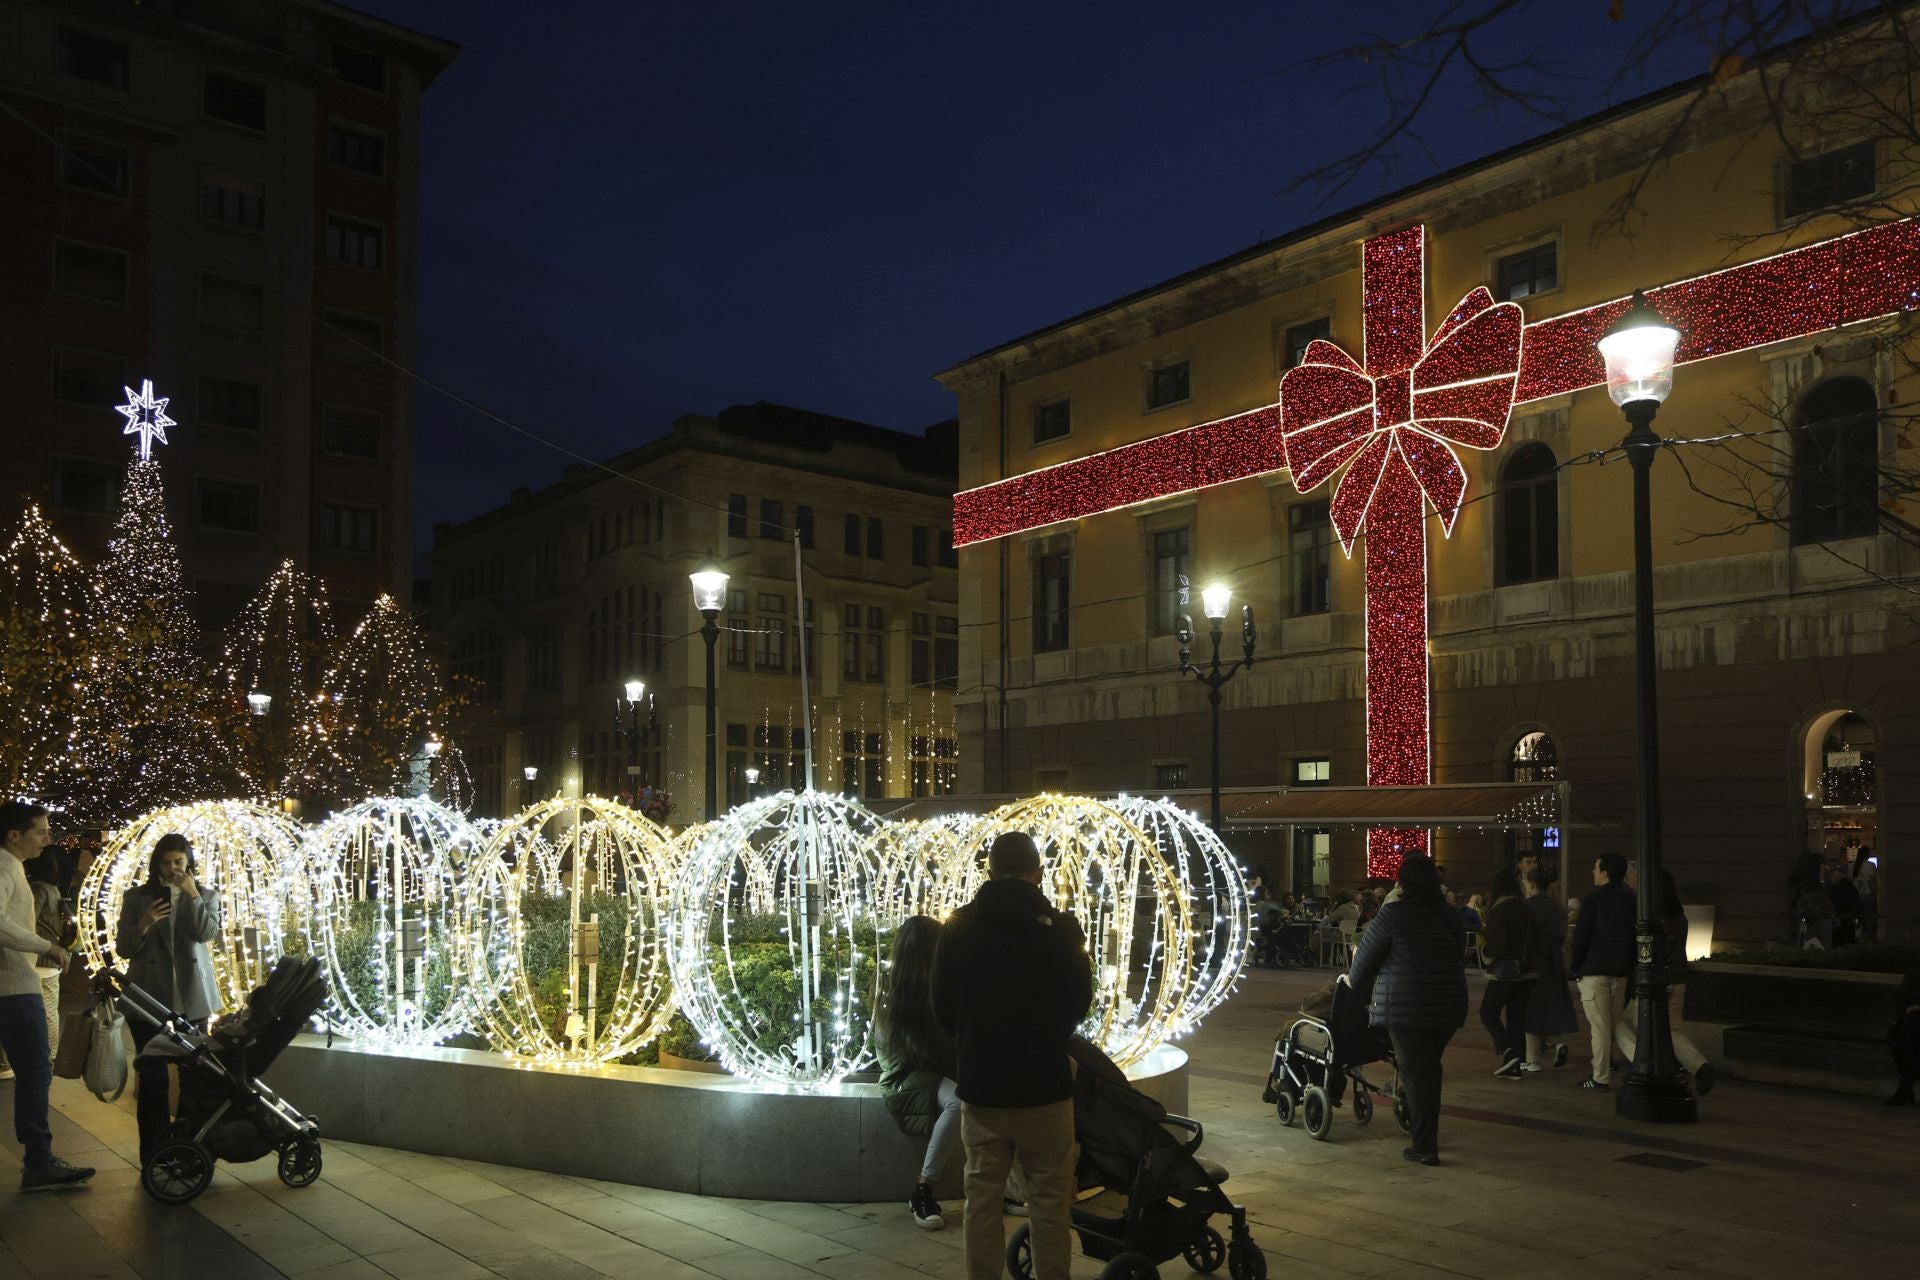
point(1836, 462)
point(1527, 517)
point(1535, 759)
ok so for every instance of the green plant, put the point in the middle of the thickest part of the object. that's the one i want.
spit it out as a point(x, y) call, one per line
point(1880, 957)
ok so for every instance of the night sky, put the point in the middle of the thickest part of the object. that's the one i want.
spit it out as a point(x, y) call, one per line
point(632, 212)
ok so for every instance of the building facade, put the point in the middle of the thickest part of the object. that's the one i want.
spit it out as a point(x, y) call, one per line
point(1784, 580)
point(551, 603)
point(221, 197)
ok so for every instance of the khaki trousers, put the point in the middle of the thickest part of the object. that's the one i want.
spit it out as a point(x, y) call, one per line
point(1605, 1000)
point(1683, 1046)
point(1041, 1140)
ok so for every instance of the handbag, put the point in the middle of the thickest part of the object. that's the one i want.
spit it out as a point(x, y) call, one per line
point(106, 1072)
point(76, 1040)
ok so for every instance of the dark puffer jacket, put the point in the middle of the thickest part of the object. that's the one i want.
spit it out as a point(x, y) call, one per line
point(1603, 943)
point(1411, 966)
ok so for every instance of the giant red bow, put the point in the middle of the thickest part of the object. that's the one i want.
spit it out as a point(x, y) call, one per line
point(1459, 389)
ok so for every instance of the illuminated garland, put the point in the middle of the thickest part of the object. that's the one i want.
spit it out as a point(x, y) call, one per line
point(277, 646)
point(48, 618)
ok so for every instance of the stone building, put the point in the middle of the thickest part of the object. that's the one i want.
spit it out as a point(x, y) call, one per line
point(1786, 619)
point(551, 603)
point(221, 197)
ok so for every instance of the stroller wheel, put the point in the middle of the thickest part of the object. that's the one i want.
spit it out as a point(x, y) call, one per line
point(300, 1162)
point(1284, 1106)
point(1207, 1251)
point(1362, 1104)
point(1245, 1261)
point(179, 1170)
point(1130, 1266)
point(1316, 1109)
point(1401, 1115)
point(1020, 1253)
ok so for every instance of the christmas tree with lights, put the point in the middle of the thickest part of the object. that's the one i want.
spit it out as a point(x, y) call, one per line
point(47, 614)
point(272, 660)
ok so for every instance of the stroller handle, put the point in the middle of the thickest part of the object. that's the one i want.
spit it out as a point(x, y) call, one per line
point(111, 982)
point(1192, 1126)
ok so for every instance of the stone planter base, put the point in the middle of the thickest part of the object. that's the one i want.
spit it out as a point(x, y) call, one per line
point(672, 1062)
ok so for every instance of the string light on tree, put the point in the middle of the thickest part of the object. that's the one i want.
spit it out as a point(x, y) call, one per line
point(48, 639)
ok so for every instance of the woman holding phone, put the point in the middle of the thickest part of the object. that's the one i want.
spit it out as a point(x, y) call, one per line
point(165, 926)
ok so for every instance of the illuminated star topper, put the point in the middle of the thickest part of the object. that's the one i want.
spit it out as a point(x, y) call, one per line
point(146, 416)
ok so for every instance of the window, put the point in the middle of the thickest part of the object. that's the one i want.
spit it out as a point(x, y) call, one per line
point(96, 59)
point(232, 304)
point(348, 528)
point(1820, 182)
point(736, 764)
point(89, 164)
point(87, 377)
point(736, 515)
point(922, 650)
point(1312, 771)
point(543, 658)
point(863, 763)
point(852, 546)
point(1050, 574)
point(230, 403)
point(770, 635)
point(1527, 517)
point(359, 68)
point(1301, 336)
point(919, 545)
point(1170, 777)
point(355, 338)
point(357, 149)
point(1534, 759)
point(356, 243)
point(876, 547)
point(225, 505)
point(351, 433)
point(739, 628)
point(234, 101)
point(935, 765)
point(1052, 419)
point(946, 652)
point(1836, 462)
point(949, 558)
point(1170, 564)
point(803, 520)
point(80, 484)
point(773, 518)
point(1167, 384)
point(1531, 271)
point(233, 202)
point(1309, 555)
point(863, 653)
point(89, 271)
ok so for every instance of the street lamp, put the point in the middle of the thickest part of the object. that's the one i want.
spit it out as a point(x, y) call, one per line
point(753, 780)
point(709, 597)
point(1215, 599)
point(632, 730)
point(259, 703)
point(431, 746)
point(1638, 349)
point(531, 772)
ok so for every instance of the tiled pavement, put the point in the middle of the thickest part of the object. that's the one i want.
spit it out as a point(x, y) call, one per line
point(1540, 1180)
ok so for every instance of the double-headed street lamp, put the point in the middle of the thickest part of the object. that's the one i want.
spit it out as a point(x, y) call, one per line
point(709, 597)
point(1215, 600)
point(1639, 350)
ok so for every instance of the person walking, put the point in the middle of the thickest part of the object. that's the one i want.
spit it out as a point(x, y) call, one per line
point(1550, 1015)
point(23, 1016)
point(1673, 927)
point(1511, 954)
point(164, 928)
point(1903, 1039)
point(1866, 884)
point(1410, 971)
point(916, 1061)
point(1011, 981)
point(1603, 950)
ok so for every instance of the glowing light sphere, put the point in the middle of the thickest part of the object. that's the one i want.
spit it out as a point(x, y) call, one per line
point(1215, 886)
point(384, 880)
point(925, 867)
point(1098, 864)
point(564, 928)
point(777, 936)
point(242, 850)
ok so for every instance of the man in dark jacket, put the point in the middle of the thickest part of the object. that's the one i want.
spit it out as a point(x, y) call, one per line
point(1011, 981)
point(1603, 953)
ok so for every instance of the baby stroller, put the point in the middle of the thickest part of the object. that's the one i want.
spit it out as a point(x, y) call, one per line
point(226, 1112)
point(1156, 1195)
point(1320, 1055)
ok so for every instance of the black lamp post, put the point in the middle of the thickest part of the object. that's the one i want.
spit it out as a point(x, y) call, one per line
point(633, 731)
point(1215, 600)
point(709, 597)
point(1639, 350)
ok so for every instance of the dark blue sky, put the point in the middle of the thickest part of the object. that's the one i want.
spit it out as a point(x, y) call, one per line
point(631, 212)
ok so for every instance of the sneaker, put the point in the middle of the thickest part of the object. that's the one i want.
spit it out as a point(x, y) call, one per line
point(1531, 1067)
point(1427, 1158)
point(52, 1176)
point(1559, 1055)
point(1014, 1208)
point(1703, 1080)
point(6, 1072)
point(926, 1210)
point(1594, 1085)
point(1509, 1069)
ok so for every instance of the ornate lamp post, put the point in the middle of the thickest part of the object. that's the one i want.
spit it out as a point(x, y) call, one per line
point(1215, 600)
point(1639, 349)
point(709, 597)
point(633, 731)
point(753, 782)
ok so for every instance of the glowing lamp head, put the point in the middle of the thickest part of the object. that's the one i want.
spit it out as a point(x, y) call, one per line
point(259, 703)
point(1639, 349)
point(753, 777)
point(1214, 599)
point(634, 689)
point(431, 747)
point(709, 590)
point(532, 771)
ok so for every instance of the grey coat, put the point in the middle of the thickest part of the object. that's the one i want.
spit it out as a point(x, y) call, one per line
point(173, 962)
point(1411, 966)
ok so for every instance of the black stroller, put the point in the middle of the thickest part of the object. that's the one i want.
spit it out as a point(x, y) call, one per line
point(226, 1112)
point(1318, 1056)
point(1156, 1195)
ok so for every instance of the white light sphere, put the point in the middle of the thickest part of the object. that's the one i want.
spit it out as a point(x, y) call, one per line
point(244, 851)
point(925, 867)
point(564, 928)
point(776, 938)
point(385, 885)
